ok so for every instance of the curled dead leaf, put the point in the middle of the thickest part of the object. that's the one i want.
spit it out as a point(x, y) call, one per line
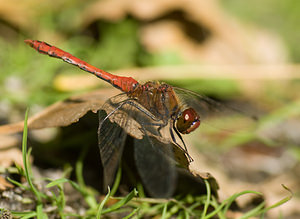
point(63, 113)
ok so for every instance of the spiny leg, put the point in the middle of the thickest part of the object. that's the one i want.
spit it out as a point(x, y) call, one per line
point(184, 148)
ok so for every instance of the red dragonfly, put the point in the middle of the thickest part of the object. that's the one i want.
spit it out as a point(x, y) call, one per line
point(155, 114)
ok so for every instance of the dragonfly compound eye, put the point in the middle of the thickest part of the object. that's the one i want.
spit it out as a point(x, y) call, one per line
point(188, 121)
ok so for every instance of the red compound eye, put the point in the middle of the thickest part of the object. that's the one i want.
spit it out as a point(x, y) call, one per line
point(188, 121)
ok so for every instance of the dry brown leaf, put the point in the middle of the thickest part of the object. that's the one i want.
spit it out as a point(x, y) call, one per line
point(64, 112)
point(11, 156)
point(4, 184)
point(7, 141)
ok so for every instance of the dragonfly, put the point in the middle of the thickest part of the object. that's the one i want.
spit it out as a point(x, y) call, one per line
point(155, 114)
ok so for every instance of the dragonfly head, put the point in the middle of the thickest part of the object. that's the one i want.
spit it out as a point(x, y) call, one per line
point(187, 121)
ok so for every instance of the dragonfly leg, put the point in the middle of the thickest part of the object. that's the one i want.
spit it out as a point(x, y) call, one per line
point(112, 112)
point(184, 148)
point(132, 103)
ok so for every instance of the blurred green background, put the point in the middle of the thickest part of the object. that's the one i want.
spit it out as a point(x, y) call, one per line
point(119, 39)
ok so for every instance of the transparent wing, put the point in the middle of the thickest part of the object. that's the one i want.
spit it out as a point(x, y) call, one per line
point(111, 141)
point(207, 107)
point(155, 165)
point(204, 106)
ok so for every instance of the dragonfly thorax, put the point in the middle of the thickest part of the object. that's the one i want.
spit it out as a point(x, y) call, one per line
point(158, 98)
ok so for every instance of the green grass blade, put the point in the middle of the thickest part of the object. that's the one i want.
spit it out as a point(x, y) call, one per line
point(117, 181)
point(59, 200)
point(39, 212)
point(231, 199)
point(99, 212)
point(253, 212)
point(76, 186)
point(26, 161)
point(281, 202)
point(122, 202)
point(57, 182)
point(88, 196)
point(24, 215)
point(186, 215)
point(207, 202)
point(214, 203)
point(132, 213)
point(218, 208)
point(164, 213)
point(17, 184)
